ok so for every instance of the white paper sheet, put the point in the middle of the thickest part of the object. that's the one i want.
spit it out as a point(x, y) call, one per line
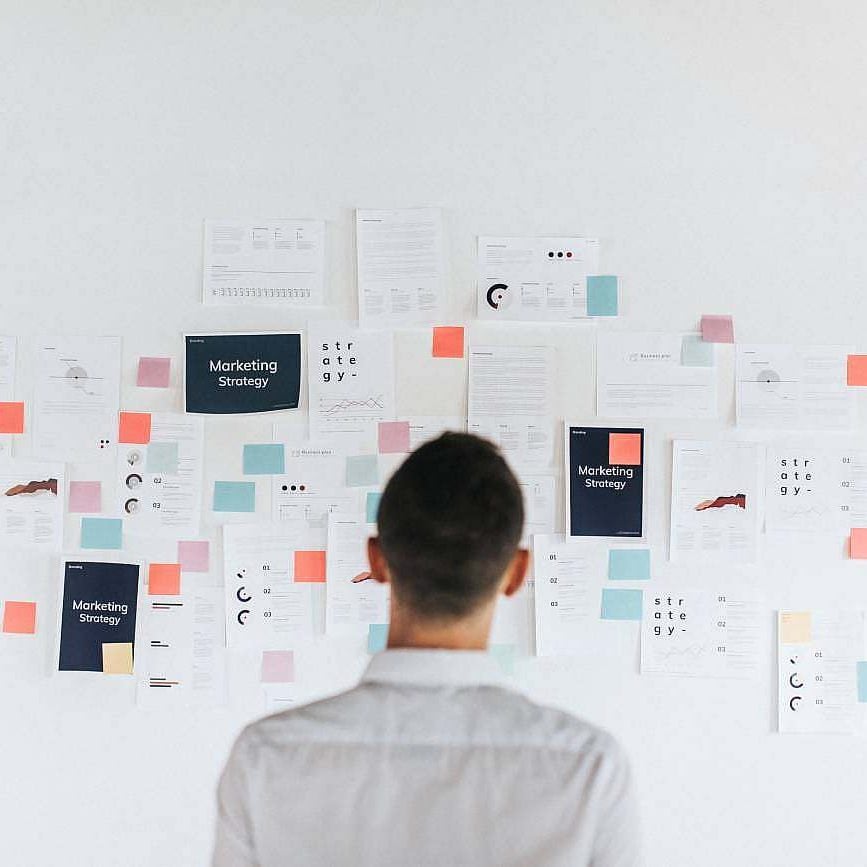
point(401, 266)
point(312, 487)
point(540, 505)
point(535, 278)
point(32, 498)
point(640, 376)
point(264, 262)
point(428, 427)
point(8, 347)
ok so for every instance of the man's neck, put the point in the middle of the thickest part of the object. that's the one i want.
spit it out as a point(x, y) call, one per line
point(469, 633)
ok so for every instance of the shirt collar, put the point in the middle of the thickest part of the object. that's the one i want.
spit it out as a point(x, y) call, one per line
point(423, 667)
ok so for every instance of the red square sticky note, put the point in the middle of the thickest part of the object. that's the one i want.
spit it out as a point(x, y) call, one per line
point(717, 329)
point(278, 666)
point(858, 543)
point(19, 617)
point(134, 427)
point(448, 341)
point(856, 370)
point(310, 566)
point(194, 556)
point(164, 579)
point(12, 417)
point(153, 372)
point(393, 437)
point(624, 448)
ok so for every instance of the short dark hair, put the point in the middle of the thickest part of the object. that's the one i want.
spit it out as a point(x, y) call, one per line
point(449, 521)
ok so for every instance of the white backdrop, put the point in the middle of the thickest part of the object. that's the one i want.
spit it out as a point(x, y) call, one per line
point(716, 148)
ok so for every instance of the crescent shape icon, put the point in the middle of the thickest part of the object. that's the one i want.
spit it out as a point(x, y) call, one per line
point(794, 701)
point(792, 681)
point(489, 297)
point(242, 615)
point(242, 595)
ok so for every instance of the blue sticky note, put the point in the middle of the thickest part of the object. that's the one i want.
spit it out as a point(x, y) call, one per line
point(362, 471)
point(504, 654)
point(861, 672)
point(377, 637)
point(629, 564)
point(162, 458)
point(695, 352)
point(621, 604)
point(234, 496)
point(372, 506)
point(602, 295)
point(103, 533)
point(264, 459)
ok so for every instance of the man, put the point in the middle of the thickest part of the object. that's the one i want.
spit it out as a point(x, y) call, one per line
point(431, 760)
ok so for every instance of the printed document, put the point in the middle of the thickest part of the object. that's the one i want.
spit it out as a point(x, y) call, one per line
point(32, 499)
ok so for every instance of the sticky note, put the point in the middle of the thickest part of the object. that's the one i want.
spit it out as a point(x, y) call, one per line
point(264, 459)
point(163, 458)
point(695, 352)
point(117, 658)
point(11, 417)
point(19, 617)
point(377, 637)
point(717, 329)
point(602, 295)
point(371, 506)
point(309, 567)
point(393, 437)
point(85, 497)
point(621, 604)
point(856, 370)
point(134, 427)
point(861, 680)
point(153, 372)
point(796, 627)
point(234, 496)
point(858, 543)
point(504, 654)
point(629, 564)
point(278, 666)
point(194, 556)
point(102, 533)
point(164, 579)
point(362, 471)
point(448, 341)
point(624, 449)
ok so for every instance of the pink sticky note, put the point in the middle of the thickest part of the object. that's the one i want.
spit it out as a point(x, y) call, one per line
point(85, 497)
point(393, 437)
point(153, 372)
point(194, 556)
point(717, 329)
point(278, 666)
point(858, 543)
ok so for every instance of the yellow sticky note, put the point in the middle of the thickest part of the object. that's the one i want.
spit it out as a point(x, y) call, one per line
point(117, 658)
point(796, 627)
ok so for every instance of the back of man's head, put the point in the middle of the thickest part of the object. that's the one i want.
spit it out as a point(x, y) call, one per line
point(449, 522)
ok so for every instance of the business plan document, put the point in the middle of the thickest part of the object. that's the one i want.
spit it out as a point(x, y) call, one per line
point(264, 262)
point(640, 375)
point(401, 266)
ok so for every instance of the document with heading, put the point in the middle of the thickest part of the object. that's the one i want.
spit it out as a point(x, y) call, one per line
point(401, 266)
point(312, 487)
point(540, 505)
point(32, 497)
point(264, 262)
point(640, 375)
point(541, 279)
point(8, 347)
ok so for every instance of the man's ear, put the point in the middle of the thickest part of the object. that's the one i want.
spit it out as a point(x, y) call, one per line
point(516, 572)
point(378, 566)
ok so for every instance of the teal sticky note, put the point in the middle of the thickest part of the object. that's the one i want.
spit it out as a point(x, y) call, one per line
point(695, 352)
point(602, 295)
point(162, 458)
point(621, 604)
point(372, 506)
point(504, 654)
point(377, 637)
point(861, 672)
point(234, 496)
point(264, 459)
point(629, 564)
point(362, 471)
point(103, 533)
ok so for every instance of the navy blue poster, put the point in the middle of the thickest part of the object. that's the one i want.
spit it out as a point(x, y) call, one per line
point(99, 607)
point(606, 481)
point(226, 374)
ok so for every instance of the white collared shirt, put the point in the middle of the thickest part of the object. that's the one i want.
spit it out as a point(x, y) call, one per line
point(430, 761)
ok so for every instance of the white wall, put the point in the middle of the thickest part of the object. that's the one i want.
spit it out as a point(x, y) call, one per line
point(716, 148)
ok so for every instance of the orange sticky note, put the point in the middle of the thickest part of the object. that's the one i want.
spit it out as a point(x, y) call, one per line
point(117, 658)
point(624, 448)
point(134, 427)
point(796, 627)
point(858, 543)
point(11, 417)
point(310, 566)
point(448, 341)
point(19, 617)
point(856, 370)
point(164, 579)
